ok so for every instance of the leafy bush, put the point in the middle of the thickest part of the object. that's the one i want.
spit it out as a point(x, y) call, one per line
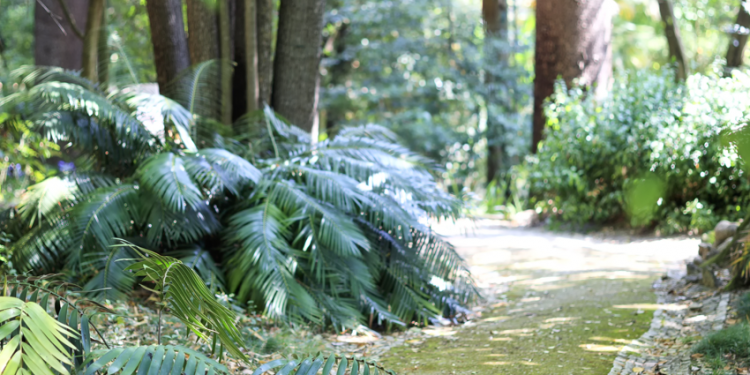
point(42, 331)
point(654, 151)
point(330, 232)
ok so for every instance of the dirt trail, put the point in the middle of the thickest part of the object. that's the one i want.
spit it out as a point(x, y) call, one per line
point(556, 303)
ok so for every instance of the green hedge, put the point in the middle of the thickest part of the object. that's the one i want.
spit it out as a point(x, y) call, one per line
point(654, 153)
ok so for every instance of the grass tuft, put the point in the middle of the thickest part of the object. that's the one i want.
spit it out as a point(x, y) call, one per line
point(734, 339)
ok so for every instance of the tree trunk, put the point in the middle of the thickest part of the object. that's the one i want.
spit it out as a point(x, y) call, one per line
point(225, 69)
point(573, 40)
point(265, 16)
point(672, 32)
point(168, 38)
point(91, 40)
point(495, 15)
point(738, 40)
point(296, 76)
point(103, 50)
point(52, 46)
point(246, 95)
point(338, 73)
point(203, 33)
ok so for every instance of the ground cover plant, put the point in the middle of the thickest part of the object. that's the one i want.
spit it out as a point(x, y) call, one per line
point(330, 232)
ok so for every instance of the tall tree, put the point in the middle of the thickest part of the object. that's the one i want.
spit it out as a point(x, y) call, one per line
point(58, 36)
point(495, 15)
point(203, 32)
point(672, 32)
point(168, 38)
point(573, 41)
point(739, 34)
point(265, 16)
point(94, 24)
point(103, 49)
point(246, 89)
point(297, 60)
point(225, 53)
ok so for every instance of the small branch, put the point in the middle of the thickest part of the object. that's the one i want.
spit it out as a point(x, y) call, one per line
point(70, 19)
point(53, 16)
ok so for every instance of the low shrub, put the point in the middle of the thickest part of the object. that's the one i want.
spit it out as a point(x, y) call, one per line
point(653, 152)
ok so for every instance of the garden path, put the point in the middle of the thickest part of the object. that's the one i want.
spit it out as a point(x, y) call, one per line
point(555, 303)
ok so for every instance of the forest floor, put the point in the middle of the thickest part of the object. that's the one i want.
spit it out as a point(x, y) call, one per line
point(554, 303)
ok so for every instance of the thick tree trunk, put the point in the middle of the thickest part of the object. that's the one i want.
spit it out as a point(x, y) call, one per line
point(738, 35)
point(573, 40)
point(203, 33)
point(246, 91)
point(52, 46)
point(168, 38)
point(672, 32)
point(265, 16)
point(225, 53)
point(296, 76)
point(91, 40)
point(495, 14)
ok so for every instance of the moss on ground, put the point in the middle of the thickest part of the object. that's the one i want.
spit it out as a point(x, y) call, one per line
point(568, 324)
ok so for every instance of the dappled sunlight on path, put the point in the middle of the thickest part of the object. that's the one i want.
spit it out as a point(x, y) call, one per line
point(554, 303)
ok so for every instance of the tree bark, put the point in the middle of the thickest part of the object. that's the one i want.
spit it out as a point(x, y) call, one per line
point(203, 33)
point(495, 15)
point(573, 41)
point(225, 69)
point(91, 40)
point(265, 16)
point(103, 50)
point(52, 46)
point(672, 32)
point(246, 90)
point(168, 38)
point(298, 50)
point(738, 40)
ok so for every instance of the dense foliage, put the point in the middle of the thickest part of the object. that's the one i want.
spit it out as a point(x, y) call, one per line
point(330, 232)
point(653, 143)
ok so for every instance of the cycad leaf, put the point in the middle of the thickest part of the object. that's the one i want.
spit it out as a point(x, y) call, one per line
point(41, 199)
point(155, 359)
point(165, 176)
point(39, 345)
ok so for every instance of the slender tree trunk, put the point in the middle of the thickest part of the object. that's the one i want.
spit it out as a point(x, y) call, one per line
point(91, 40)
point(225, 53)
point(495, 14)
point(246, 90)
point(265, 16)
point(56, 42)
point(168, 38)
point(103, 50)
point(203, 33)
point(296, 75)
point(573, 40)
point(338, 73)
point(672, 32)
point(738, 40)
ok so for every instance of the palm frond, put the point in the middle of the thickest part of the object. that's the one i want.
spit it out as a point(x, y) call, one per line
point(41, 199)
point(30, 76)
point(342, 365)
point(261, 261)
point(166, 228)
point(200, 261)
point(41, 248)
point(166, 359)
point(165, 175)
point(108, 213)
point(37, 343)
point(217, 169)
point(188, 299)
point(171, 112)
point(111, 281)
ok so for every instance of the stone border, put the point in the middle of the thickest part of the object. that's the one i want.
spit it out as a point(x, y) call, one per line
point(663, 349)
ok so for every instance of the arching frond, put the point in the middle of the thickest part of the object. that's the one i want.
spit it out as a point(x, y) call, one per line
point(200, 261)
point(40, 200)
point(261, 261)
point(326, 365)
point(218, 169)
point(36, 342)
point(165, 175)
point(167, 359)
point(166, 228)
point(188, 298)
